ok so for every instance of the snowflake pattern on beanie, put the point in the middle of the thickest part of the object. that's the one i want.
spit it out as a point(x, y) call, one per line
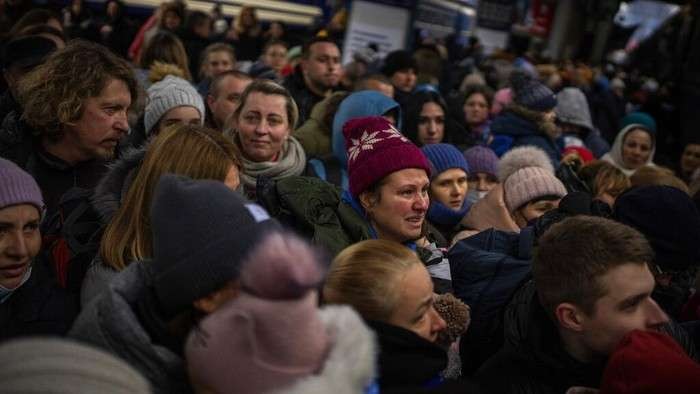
point(368, 140)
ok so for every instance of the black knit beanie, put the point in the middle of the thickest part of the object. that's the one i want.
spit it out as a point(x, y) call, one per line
point(202, 230)
point(668, 218)
point(397, 61)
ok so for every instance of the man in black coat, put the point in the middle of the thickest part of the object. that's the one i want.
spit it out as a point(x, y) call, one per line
point(316, 76)
point(592, 285)
point(74, 114)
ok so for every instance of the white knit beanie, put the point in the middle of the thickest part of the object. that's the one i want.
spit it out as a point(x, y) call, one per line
point(171, 92)
point(54, 365)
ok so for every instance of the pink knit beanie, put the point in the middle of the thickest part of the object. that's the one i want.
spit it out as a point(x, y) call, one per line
point(527, 174)
point(528, 184)
point(375, 150)
point(271, 334)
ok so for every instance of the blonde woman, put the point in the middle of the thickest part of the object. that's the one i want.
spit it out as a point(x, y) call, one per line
point(124, 196)
point(261, 128)
point(390, 288)
point(605, 181)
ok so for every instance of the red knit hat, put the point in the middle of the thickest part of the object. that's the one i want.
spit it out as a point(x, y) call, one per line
point(650, 363)
point(585, 154)
point(375, 150)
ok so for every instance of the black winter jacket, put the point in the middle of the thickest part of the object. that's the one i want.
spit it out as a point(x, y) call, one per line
point(53, 175)
point(305, 98)
point(533, 359)
point(38, 307)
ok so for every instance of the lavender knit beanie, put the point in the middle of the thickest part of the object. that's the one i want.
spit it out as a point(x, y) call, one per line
point(18, 187)
point(482, 159)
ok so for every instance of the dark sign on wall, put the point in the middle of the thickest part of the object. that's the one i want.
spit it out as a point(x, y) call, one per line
point(495, 14)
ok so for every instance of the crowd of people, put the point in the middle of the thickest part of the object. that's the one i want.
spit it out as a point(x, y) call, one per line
point(194, 206)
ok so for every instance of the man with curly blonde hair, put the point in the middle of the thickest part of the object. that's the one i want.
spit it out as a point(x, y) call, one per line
point(74, 114)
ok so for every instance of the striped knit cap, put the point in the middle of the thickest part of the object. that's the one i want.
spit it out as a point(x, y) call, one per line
point(171, 92)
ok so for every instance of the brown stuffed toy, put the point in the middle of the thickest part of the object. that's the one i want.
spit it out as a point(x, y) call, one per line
point(456, 315)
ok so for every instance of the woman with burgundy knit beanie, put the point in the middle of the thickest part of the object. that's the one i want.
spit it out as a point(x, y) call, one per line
point(387, 196)
point(388, 178)
point(30, 302)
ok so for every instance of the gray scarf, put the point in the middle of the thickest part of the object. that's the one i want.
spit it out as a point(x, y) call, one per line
point(292, 161)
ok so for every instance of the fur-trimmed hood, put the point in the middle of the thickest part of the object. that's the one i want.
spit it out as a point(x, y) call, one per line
point(350, 365)
point(111, 322)
point(112, 188)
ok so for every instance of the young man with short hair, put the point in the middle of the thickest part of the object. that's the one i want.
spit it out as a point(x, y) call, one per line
point(217, 58)
point(592, 285)
point(316, 76)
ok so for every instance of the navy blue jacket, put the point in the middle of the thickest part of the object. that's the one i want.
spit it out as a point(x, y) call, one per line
point(487, 269)
point(510, 127)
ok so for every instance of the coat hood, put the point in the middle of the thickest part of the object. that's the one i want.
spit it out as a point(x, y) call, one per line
point(357, 105)
point(615, 155)
point(111, 322)
point(350, 365)
point(112, 188)
point(572, 107)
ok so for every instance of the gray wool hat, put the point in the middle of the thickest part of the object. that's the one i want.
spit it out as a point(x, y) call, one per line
point(60, 366)
point(202, 231)
point(531, 93)
point(168, 93)
point(572, 107)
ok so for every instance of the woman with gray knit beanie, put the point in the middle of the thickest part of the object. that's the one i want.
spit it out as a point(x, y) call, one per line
point(261, 128)
point(171, 100)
